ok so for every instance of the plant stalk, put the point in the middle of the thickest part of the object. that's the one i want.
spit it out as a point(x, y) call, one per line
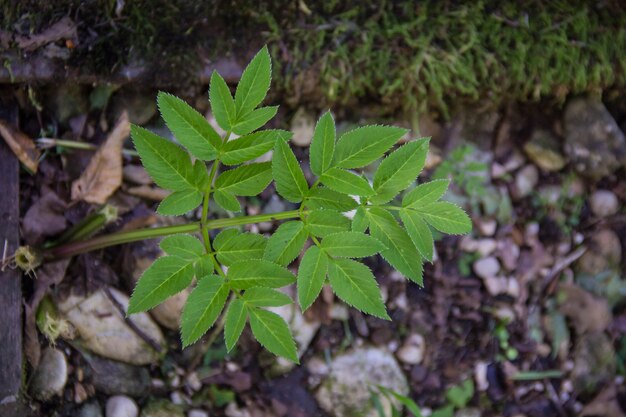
point(100, 242)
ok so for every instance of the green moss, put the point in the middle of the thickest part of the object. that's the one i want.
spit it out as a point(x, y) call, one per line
point(404, 55)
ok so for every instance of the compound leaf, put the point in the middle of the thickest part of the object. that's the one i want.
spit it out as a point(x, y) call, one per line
point(351, 245)
point(254, 83)
point(323, 144)
point(222, 103)
point(355, 284)
point(259, 273)
point(234, 322)
point(251, 146)
point(286, 243)
point(265, 297)
point(245, 180)
point(288, 176)
point(446, 217)
point(168, 164)
point(191, 129)
point(273, 333)
point(204, 305)
point(180, 202)
point(361, 146)
point(401, 252)
point(254, 120)
point(321, 223)
point(425, 193)
point(325, 198)
point(419, 232)
point(311, 276)
point(232, 246)
point(182, 246)
point(399, 170)
point(167, 276)
point(346, 182)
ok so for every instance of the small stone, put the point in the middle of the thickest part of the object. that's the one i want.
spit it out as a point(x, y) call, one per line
point(91, 409)
point(544, 150)
point(497, 171)
point(412, 351)
point(496, 285)
point(480, 375)
point(121, 406)
point(197, 413)
point(508, 252)
point(486, 267)
point(113, 377)
point(467, 412)
point(487, 227)
point(593, 141)
point(604, 203)
point(302, 126)
point(193, 381)
point(51, 375)
point(525, 181)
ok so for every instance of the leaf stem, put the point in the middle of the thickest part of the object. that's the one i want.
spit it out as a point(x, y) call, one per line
point(100, 242)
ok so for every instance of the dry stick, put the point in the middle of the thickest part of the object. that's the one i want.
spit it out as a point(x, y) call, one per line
point(549, 281)
point(150, 341)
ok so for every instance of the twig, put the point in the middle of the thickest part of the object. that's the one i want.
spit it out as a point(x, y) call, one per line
point(151, 342)
point(558, 267)
point(46, 143)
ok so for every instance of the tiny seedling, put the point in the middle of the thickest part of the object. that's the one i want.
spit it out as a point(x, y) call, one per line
point(341, 217)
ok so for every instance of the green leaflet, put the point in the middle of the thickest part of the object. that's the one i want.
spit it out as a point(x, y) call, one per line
point(227, 201)
point(191, 129)
point(273, 333)
point(425, 193)
point(355, 284)
point(288, 176)
point(446, 217)
point(234, 322)
point(399, 170)
point(351, 245)
point(265, 297)
point(360, 221)
point(167, 276)
point(232, 246)
point(362, 146)
point(311, 276)
point(323, 144)
point(419, 232)
point(167, 163)
point(346, 182)
point(401, 252)
point(286, 243)
point(259, 273)
point(325, 198)
point(204, 305)
point(222, 103)
point(254, 120)
point(180, 202)
point(185, 247)
point(321, 223)
point(251, 146)
point(245, 180)
point(254, 83)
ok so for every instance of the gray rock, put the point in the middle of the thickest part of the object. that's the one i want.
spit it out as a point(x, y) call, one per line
point(412, 350)
point(346, 390)
point(302, 126)
point(525, 181)
point(604, 203)
point(487, 267)
point(593, 141)
point(594, 362)
point(91, 409)
point(544, 150)
point(121, 406)
point(51, 375)
point(112, 377)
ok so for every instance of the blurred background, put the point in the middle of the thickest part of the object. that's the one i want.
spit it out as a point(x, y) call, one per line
point(525, 105)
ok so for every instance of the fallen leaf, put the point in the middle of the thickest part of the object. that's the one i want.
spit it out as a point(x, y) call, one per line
point(22, 146)
point(103, 175)
point(587, 312)
point(149, 193)
point(45, 218)
point(64, 29)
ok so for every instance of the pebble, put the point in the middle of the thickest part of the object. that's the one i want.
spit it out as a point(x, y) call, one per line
point(197, 413)
point(484, 247)
point(486, 267)
point(502, 285)
point(487, 227)
point(51, 375)
point(302, 126)
point(525, 181)
point(480, 375)
point(121, 406)
point(604, 203)
point(412, 351)
point(91, 409)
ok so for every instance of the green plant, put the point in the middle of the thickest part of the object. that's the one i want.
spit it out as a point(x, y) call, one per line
point(240, 273)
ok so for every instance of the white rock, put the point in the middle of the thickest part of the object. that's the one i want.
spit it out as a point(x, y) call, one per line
point(197, 413)
point(346, 391)
point(233, 411)
point(480, 375)
point(487, 227)
point(604, 203)
point(302, 126)
point(121, 406)
point(508, 252)
point(526, 180)
point(486, 267)
point(103, 330)
point(168, 313)
point(412, 351)
point(51, 375)
point(502, 285)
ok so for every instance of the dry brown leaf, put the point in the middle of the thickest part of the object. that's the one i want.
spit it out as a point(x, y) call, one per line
point(45, 218)
point(103, 175)
point(149, 193)
point(64, 29)
point(22, 146)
